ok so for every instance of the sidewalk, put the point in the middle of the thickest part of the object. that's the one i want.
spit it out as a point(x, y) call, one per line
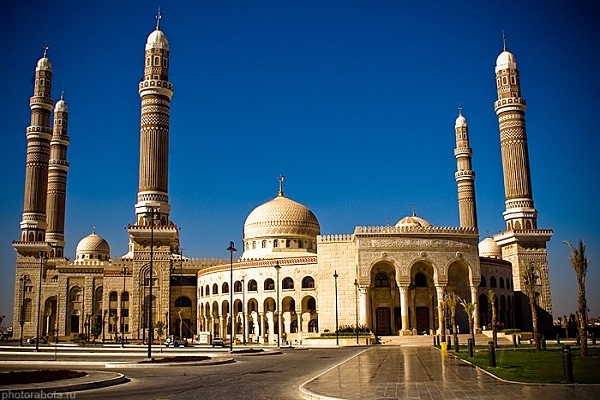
point(396, 372)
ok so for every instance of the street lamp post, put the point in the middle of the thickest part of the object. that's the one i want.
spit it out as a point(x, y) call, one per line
point(23, 279)
point(37, 329)
point(243, 306)
point(337, 331)
point(356, 306)
point(277, 268)
point(231, 249)
point(124, 272)
point(150, 329)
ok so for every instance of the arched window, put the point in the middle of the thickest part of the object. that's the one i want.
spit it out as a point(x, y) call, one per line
point(125, 296)
point(308, 282)
point(215, 288)
point(483, 282)
point(183, 302)
point(225, 287)
point(275, 243)
point(207, 290)
point(493, 282)
point(254, 244)
point(201, 290)
point(311, 304)
point(237, 287)
point(313, 326)
point(300, 244)
point(112, 296)
point(288, 283)
point(264, 244)
point(420, 280)
point(501, 283)
point(382, 280)
point(269, 284)
point(252, 285)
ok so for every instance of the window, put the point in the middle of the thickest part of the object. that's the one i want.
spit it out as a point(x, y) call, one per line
point(311, 304)
point(288, 283)
point(308, 282)
point(254, 244)
point(207, 290)
point(313, 326)
point(269, 284)
point(252, 286)
point(420, 280)
point(483, 283)
point(264, 244)
point(300, 244)
point(125, 312)
point(54, 278)
point(237, 287)
point(382, 280)
point(112, 312)
point(275, 243)
point(225, 288)
point(215, 289)
point(183, 302)
point(501, 283)
point(125, 296)
point(493, 282)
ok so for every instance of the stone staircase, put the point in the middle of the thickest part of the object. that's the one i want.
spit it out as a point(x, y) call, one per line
point(427, 340)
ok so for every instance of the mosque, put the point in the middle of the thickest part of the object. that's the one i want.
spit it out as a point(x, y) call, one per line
point(290, 282)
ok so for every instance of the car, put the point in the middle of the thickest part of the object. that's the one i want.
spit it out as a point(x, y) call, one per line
point(175, 341)
point(40, 340)
point(220, 342)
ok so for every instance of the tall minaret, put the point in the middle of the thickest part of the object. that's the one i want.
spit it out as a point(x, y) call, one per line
point(154, 239)
point(155, 91)
point(522, 243)
point(39, 134)
point(57, 180)
point(465, 176)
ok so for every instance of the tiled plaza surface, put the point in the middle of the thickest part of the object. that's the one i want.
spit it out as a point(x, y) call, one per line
point(394, 372)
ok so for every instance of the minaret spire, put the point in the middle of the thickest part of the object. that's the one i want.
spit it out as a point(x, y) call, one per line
point(281, 179)
point(158, 18)
point(45, 50)
point(503, 41)
point(464, 176)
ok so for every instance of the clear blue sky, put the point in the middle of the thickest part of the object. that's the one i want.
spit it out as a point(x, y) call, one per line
point(354, 102)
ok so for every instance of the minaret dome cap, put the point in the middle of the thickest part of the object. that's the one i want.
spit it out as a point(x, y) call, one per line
point(506, 60)
point(460, 121)
point(157, 40)
point(61, 105)
point(45, 64)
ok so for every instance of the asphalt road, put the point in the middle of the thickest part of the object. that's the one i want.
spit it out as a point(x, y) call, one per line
point(275, 376)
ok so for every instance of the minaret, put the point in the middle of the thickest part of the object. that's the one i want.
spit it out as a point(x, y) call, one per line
point(465, 176)
point(39, 134)
point(57, 180)
point(153, 239)
point(522, 243)
point(155, 91)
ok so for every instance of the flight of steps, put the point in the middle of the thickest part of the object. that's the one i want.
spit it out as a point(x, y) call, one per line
point(427, 340)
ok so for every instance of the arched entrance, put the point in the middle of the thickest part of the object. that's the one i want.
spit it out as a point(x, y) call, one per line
point(422, 299)
point(458, 282)
point(385, 300)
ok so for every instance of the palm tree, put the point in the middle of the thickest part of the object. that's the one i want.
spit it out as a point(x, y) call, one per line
point(492, 298)
point(470, 310)
point(580, 264)
point(529, 279)
point(452, 300)
point(160, 328)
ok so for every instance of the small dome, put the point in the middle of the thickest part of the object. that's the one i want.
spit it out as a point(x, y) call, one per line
point(505, 60)
point(413, 220)
point(281, 217)
point(93, 247)
point(489, 248)
point(44, 63)
point(157, 40)
point(460, 121)
point(61, 105)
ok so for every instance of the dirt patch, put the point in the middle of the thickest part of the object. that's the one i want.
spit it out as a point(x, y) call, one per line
point(21, 377)
point(247, 351)
point(175, 359)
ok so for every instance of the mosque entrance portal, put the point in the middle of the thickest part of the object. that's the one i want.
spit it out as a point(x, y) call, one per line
point(422, 320)
point(383, 321)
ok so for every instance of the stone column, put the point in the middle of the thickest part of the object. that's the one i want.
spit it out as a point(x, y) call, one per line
point(474, 300)
point(440, 295)
point(404, 310)
point(363, 294)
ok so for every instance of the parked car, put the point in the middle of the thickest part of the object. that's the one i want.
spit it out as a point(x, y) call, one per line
point(220, 342)
point(40, 340)
point(175, 341)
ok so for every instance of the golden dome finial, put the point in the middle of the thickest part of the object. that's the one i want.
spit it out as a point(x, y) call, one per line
point(503, 41)
point(281, 179)
point(459, 110)
point(158, 18)
point(45, 50)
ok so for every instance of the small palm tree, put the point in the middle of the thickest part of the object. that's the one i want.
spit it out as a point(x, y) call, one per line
point(159, 326)
point(529, 279)
point(580, 264)
point(493, 299)
point(470, 310)
point(452, 301)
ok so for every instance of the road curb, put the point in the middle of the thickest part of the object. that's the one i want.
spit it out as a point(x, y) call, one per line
point(114, 378)
point(173, 364)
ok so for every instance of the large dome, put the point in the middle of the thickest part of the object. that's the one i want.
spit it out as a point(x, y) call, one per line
point(281, 217)
point(413, 220)
point(489, 248)
point(92, 247)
